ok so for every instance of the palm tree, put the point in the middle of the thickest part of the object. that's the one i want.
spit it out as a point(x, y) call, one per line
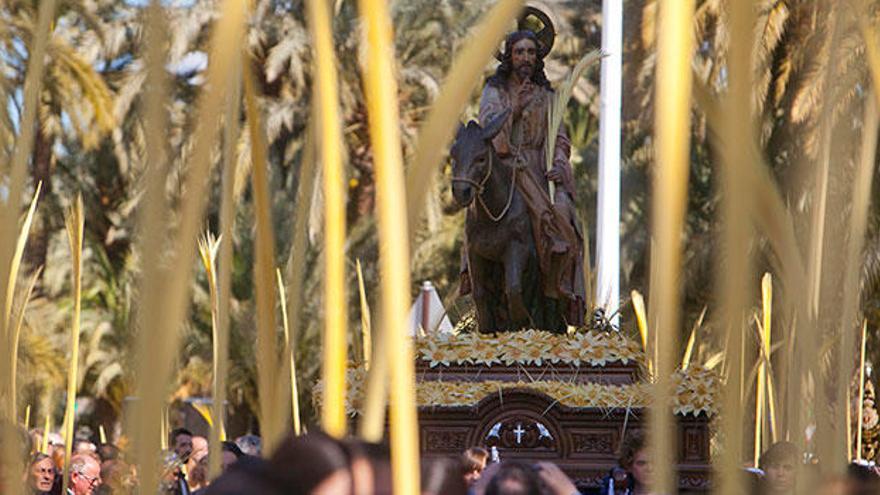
point(75, 102)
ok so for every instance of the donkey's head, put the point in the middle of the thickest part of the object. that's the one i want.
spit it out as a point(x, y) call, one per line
point(471, 157)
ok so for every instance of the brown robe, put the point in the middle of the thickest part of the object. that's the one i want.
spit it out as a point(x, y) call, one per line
point(557, 236)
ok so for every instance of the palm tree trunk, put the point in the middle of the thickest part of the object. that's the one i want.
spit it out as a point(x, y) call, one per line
point(41, 171)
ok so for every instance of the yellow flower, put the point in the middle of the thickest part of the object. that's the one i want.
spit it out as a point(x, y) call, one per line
point(484, 352)
point(439, 355)
point(430, 394)
point(514, 355)
point(536, 352)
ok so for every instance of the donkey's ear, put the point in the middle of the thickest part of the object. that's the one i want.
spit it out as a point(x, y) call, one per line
point(458, 131)
point(493, 127)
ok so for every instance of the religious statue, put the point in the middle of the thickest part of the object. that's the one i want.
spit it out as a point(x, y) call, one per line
point(523, 252)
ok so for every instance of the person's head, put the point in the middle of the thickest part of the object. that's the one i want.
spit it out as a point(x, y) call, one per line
point(514, 478)
point(84, 447)
point(230, 454)
point(473, 461)
point(250, 445)
point(313, 463)
point(41, 475)
point(85, 474)
point(182, 443)
point(862, 479)
point(442, 477)
point(635, 458)
point(198, 475)
point(56, 451)
point(108, 452)
point(200, 447)
point(318, 464)
point(779, 464)
point(521, 59)
point(116, 477)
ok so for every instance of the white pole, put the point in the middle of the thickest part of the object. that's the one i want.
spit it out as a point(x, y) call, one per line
point(608, 217)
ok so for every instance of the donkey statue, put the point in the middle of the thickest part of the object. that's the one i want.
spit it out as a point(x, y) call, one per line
point(502, 258)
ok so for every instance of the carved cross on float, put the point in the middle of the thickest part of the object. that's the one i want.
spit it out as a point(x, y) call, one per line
point(519, 432)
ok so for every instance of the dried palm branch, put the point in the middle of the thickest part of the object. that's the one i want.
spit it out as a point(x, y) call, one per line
point(271, 418)
point(334, 362)
point(12, 332)
point(366, 321)
point(47, 427)
point(166, 285)
point(689, 349)
point(75, 222)
point(861, 400)
point(288, 350)
point(638, 303)
point(556, 109)
point(228, 200)
point(394, 261)
point(16, 336)
point(735, 132)
point(296, 262)
point(672, 126)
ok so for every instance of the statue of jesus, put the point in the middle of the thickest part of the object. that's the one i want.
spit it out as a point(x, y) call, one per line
point(521, 86)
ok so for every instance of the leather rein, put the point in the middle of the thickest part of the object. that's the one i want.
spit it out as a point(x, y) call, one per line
point(481, 186)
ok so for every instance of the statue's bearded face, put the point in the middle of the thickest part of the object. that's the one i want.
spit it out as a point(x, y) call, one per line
point(524, 58)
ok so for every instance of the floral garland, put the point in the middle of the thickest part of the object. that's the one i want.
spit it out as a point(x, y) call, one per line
point(696, 392)
point(528, 347)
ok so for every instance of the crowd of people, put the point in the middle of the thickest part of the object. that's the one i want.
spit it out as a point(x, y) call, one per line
point(318, 464)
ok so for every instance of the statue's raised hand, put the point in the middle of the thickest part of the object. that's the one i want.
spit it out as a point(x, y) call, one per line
point(523, 97)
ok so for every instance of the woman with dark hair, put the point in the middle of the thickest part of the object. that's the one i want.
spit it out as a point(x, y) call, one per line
point(41, 474)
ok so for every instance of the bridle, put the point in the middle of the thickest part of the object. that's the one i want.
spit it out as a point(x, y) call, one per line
point(480, 186)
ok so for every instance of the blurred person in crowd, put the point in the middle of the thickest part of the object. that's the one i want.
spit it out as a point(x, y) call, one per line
point(635, 459)
point(231, 454)
point(443, 477)
point(310, 464)
point(512, 478)
point(617, 482)
point(198, 476)
point(117, 477)
point(174, 477)
point(863, 479)
point(779, 464)
point(554, 481)
point(108, 452)
point(831, 486)
point(753, 478)
point(41, 474)
point(473, 462)
point(56, 452)
point(199, 450)
point(250, 445)
point(85, 475)
point(182, 443)
point(84, 447)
